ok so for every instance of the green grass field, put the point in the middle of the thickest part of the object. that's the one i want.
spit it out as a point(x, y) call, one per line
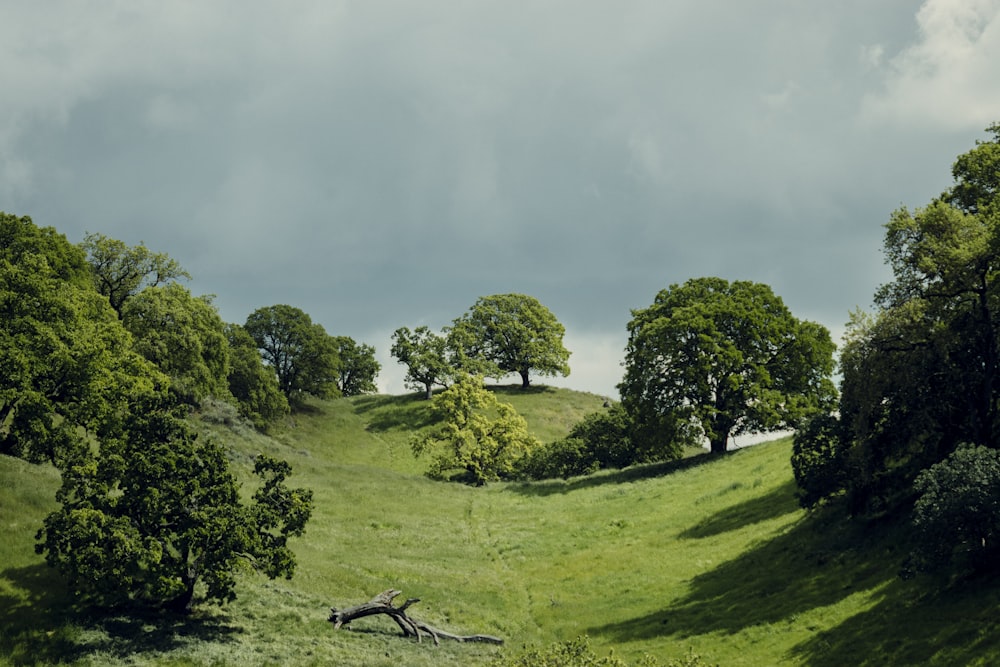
point(709, 554)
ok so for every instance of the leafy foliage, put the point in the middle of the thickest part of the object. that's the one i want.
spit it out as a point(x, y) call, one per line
point(922, 374)
point(66, 363)
point(818, 460)
point(357, 367)
point(601, 440)
point(252, 384)
point(302, 354)
point(121, 271)
point(957, 516)
point(479, 436)
point(425, 355)
point(510, 333)
point(184, 336)
point(710, 359)
point(156, 512)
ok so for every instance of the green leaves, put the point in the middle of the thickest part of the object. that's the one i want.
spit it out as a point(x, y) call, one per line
point(710, 359)
point(479, 436)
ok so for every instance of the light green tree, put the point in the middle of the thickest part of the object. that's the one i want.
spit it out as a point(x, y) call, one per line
point(184, 336)
point(510, 333)
point(710, 359)
point(121, 271)
point(425, 355)
point(479, 437)
point(67, 368)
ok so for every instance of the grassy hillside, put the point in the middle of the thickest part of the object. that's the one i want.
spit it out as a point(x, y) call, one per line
point(707, 554)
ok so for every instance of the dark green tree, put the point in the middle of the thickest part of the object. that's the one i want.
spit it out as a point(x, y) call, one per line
point(711, 359)
point(121, 271)
point(510, 333)
point(478, 437)
point(426, 357)
point(252, 384)
point(156, 512)
point(922, 374)
point(301, 353)
point(184, 336)
point(357, 367)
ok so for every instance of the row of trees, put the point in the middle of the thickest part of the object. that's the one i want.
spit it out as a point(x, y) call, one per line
point(918, 419)
point(708, 360)
point(102, 355)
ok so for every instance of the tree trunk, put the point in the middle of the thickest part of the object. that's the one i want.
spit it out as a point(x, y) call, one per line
point(718, 445)
point(411, 627)
point(429, 390)
point(524, 378)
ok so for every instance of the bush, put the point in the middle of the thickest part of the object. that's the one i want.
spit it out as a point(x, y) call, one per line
point(600, 440)
point(818, 460)
point(956, 519)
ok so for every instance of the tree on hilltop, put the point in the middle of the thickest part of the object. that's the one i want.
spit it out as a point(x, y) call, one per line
point(425, 355)
point(121, 271)
point(510, 333)
point(357, 367)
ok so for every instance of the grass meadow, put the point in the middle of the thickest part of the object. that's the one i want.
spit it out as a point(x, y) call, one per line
point(705, 554)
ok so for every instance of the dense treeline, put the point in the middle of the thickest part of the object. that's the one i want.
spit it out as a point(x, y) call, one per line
point(916, 428)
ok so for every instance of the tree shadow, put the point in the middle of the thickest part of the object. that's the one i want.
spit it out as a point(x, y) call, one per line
point(777, 502)
point(916, 622)
point(816, 562)
point(388, 413)
point(39, 624)
point(631, 474)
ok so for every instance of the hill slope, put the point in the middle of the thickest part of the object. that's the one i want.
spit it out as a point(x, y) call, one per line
point(711, 554)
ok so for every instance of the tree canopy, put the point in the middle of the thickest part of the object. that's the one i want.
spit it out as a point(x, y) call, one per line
point(478, 436)
point(712, 359)
point(357, 367)
point(303, 356)
point(156, 512)
point(921, 375)
point(426, 357)
point(510, 333)
point(252, 384)
point(184, 336)
point(121, 271)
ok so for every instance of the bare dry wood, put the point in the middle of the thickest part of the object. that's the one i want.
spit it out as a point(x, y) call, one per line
point(411, 627)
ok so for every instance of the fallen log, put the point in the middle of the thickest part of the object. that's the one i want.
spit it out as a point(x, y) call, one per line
point(411, 627)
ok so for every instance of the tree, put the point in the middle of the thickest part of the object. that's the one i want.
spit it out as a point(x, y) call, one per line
point(67, 368)
point(922, 374)
point(120, 271)
point(302, 354)
point(425, 355)
point(711, 359)
point(184, 336)
point(478, 436)
point(157, 512)
point(252, 384)
point(357, 367)
point(512, 333)
point(956, 518)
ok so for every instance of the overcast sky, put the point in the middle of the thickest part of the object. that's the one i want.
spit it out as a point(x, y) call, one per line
point(383, 164)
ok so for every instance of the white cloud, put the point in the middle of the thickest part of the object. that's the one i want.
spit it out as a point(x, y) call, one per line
point(949, 77)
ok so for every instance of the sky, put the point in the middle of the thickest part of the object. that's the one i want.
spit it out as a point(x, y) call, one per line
point(381, 164)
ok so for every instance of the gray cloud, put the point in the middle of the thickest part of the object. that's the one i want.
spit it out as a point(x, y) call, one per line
point(382, 164)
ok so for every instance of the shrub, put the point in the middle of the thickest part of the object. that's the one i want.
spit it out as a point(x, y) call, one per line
point(956, 519)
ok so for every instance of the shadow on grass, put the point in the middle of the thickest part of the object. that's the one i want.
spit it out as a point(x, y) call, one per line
point(631, 474)
point(817, 562)
point(38, 624)
point(778, 502)
point(915, 623)
point(387, 413)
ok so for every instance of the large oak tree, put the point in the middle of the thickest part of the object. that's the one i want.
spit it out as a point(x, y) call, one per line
point(711, 359)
